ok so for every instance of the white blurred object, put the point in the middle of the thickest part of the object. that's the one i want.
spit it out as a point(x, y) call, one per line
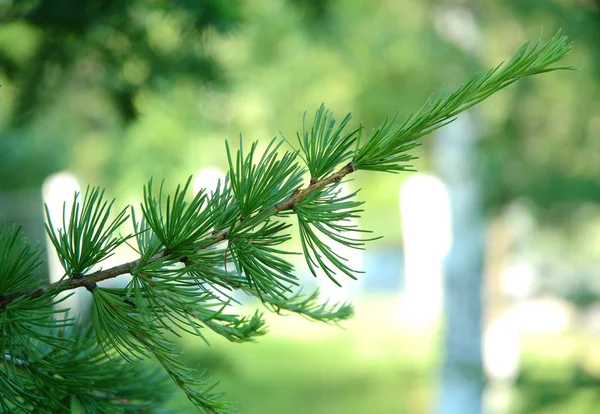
point(546, 315)
point(427, 236)
point(457, 24)
point(58, 190)
point(208, 178)
point(517, 280)
point(501, 350)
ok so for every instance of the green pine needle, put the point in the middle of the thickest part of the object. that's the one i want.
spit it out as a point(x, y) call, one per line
point(86, 238)
point(266, 183)
point(255, 255)
point(178, 224)
point(387, 147)
point(326, 145)
point(325, 217)
point(311, 307)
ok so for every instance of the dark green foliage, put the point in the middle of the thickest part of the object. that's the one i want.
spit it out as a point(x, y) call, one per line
point(26, 325)
point(46, 378)
point(83, 65)
point(18, 260)
point(105, 31)
point(120, 327)
point(101, 383)
point(540, 389)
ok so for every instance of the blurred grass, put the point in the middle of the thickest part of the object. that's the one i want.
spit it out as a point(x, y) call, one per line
point(304, 367)
point(560, 374)
point(378, 365)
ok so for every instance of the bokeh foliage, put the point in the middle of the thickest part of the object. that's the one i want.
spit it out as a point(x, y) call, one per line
point(75, 72)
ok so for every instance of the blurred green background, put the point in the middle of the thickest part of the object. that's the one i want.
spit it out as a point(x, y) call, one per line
point(117, 92)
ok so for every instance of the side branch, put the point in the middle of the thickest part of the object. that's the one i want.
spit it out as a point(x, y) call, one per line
point(314, 186)
point(100, 275)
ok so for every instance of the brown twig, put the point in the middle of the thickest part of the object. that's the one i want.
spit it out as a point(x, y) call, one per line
point(100, 275)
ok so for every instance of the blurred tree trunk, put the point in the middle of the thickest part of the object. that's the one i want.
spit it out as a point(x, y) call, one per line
point(462, 371)
point(456, 160)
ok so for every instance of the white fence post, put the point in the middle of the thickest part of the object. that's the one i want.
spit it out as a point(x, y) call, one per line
point(58, 190)
point(425, 210)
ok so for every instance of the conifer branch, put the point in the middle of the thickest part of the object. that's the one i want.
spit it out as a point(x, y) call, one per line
point(181, 279)
point(126, 268)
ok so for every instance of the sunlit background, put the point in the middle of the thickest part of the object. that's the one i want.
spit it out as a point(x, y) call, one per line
point(504, 207)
